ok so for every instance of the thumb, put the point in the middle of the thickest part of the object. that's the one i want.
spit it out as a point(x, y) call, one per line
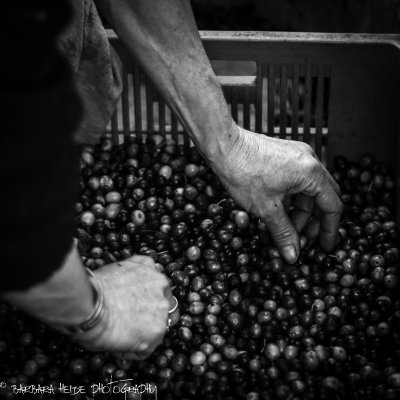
point(283, 232)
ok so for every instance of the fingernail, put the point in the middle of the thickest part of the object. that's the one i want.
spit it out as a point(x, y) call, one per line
point(290, 253)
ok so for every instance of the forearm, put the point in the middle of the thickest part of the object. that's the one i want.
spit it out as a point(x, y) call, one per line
point(66, 297)
point(163, 36)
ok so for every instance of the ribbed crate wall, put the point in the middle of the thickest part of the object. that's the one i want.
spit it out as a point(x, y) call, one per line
point(295, 108)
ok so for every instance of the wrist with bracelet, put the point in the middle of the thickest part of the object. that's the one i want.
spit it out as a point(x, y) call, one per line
point(94, 317)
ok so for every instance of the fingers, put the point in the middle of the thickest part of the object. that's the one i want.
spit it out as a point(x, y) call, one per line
point(169, 318)
point(313, 228)
point(143, 260)
point(331, 207)
point(302, 212)
point(327, 199)
point(332, 181)
point(287, 203)
point(135, 355)
point(283, 232)
point(145, 349)
point(165, 288)
point(328, 176)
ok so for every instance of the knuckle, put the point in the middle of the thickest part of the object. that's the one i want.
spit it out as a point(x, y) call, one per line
point(270, 209)
point(273, 212)
point(270, 219)
point(310, 165)
point(145, 260)
point(143, 347)
point(282, 233)
point(281, 230)
point(337, 206)
point(148, 261)
point(136, 260)
point(163, 281)
point(305, 147)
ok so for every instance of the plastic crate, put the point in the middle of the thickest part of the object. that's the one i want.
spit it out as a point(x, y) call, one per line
point(337, 92)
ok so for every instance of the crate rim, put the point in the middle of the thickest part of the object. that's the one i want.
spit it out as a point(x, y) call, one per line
point(294, 37)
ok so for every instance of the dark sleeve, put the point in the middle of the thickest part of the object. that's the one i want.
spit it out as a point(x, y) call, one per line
point(39, 165)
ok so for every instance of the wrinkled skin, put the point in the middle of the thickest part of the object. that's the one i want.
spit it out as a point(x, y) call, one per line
point(265, 174)
point(139, 298)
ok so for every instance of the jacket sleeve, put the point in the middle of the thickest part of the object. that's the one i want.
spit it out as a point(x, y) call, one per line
point(39, 171)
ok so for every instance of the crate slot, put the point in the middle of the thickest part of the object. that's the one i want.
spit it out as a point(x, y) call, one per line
point(240, 111)
point(282, 102)
point(161, 113)
point(137, 102)
point(234, 91)
point(246, 108)
point(114, 127)
point(295, 103)
point(271, 100)
point(149, 106)
point(168, 113)
point(125, 103)
point(156, 116)
point(307, 103)
point(252, 118)
point(258, 100)
point(319, 111)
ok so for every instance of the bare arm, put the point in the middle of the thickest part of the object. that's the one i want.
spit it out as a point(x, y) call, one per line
point(163, 36)
point(259, 172)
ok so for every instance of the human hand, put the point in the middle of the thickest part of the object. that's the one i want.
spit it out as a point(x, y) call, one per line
point(263, 173)
point(137, 300)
